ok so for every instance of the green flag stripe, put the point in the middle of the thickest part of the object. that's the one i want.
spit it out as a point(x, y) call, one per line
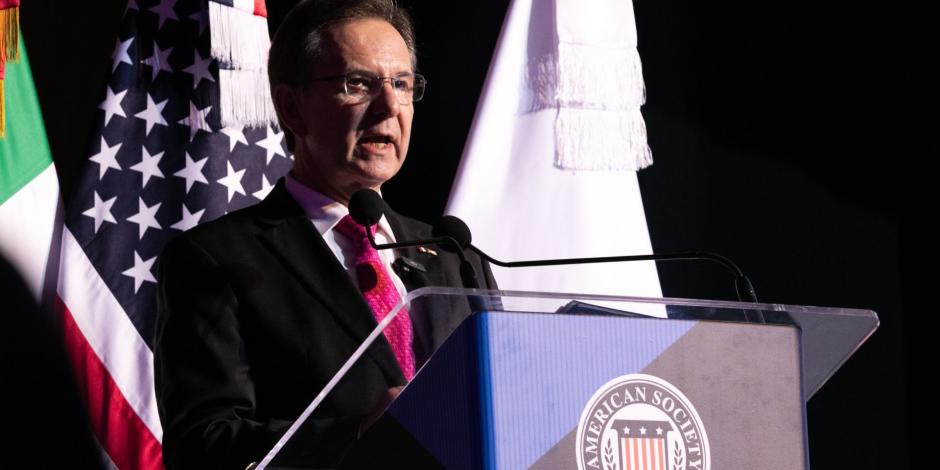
point(24, 151)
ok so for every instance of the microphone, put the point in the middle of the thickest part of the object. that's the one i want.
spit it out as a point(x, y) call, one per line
point(366, 207)
point(452, 227)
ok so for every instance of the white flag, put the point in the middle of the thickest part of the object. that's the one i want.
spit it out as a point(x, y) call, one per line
point(549, 170)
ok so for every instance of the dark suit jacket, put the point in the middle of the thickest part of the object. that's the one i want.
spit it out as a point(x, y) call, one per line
point(255, 315)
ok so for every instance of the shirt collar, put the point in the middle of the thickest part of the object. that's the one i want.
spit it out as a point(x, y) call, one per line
point(324, 211)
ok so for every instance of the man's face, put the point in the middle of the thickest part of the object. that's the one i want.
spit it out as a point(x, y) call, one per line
point(347, 144)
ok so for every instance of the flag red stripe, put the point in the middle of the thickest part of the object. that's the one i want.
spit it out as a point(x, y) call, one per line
point(661, 453)
point(260, 8)
point(636, 455)
point(122, 434)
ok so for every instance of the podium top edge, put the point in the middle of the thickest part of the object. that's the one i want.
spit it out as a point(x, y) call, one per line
point(452, 291)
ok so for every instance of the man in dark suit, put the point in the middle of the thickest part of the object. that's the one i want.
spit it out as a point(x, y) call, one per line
point(260, 308)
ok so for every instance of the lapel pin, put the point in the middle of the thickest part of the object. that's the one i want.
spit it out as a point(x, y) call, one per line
point(429, 251)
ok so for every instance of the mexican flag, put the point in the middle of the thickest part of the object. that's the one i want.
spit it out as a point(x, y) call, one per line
point(29, 188)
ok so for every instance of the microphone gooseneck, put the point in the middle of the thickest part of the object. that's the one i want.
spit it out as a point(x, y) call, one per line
point(454, 228)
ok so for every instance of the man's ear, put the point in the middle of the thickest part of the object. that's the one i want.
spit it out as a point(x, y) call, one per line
point(287, 103)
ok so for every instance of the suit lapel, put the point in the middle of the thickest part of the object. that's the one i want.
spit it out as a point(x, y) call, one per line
point(291, 236)
point(428, 315)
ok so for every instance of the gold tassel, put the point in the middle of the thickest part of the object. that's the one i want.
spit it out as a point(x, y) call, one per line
point(9, 52)
point(3, 112)
point(9, 34)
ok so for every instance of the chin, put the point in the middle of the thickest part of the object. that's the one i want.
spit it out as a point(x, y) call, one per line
point(373, 177)
point(379, 165)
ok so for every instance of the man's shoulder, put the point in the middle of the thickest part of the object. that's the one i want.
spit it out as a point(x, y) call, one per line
point(243, 225)
point(239, 223)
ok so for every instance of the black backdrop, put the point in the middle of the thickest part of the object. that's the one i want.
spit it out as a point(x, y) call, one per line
point(777, 132)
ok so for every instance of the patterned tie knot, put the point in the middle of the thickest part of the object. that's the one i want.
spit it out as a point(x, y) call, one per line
point(367, 258)
point(352, 230)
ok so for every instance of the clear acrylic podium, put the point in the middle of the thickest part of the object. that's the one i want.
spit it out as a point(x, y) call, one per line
point(568, 381)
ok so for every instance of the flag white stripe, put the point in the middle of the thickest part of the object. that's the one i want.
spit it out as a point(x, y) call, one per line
point(109, 331)
point(654, 449)
point(27, 222)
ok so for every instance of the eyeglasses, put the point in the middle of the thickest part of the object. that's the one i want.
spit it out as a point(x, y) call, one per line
point(361, 86)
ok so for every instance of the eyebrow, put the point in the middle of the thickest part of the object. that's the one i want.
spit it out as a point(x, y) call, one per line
point(367, 72)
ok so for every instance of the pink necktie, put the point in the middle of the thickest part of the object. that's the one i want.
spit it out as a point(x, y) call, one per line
point(380, 293)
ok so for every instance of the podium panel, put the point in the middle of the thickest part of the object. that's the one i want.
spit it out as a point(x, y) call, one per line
point(545, 381)
point(525, 383)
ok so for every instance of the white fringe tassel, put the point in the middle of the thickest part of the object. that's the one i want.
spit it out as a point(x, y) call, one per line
point(240, 44)
point(598, 92)
point(601, 140)
point(239, 39)
point(245, 98)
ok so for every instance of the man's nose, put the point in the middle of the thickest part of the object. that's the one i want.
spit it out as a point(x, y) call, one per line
point(386, 102)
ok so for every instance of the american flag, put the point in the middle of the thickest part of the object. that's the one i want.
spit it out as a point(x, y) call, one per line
point(162, 163)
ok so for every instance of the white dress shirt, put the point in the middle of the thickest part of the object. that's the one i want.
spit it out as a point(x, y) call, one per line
point(325, 213)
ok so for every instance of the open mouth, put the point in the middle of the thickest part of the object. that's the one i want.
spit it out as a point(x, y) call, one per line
point(375, 142)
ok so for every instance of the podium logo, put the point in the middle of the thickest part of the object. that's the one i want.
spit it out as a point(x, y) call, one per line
point(641, 422)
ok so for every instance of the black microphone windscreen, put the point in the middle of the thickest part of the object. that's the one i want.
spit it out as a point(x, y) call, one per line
point(366, 207)
point(453, 227)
